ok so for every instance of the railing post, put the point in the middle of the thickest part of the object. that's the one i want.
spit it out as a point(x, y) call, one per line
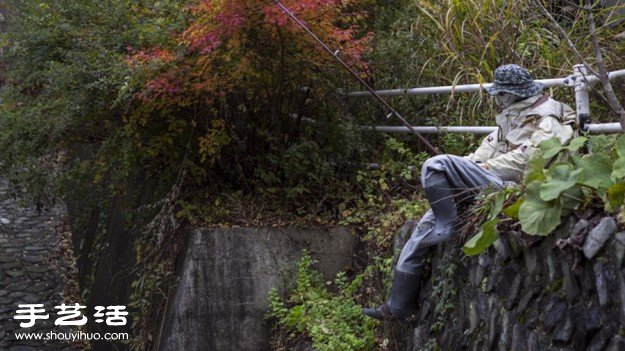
point(582, 102)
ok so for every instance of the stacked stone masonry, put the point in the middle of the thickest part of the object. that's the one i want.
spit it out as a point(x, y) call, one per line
point(562, 292)
point(29, 270)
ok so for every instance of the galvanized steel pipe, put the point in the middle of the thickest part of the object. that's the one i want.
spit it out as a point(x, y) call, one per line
point(471, 88)
point(599, 128)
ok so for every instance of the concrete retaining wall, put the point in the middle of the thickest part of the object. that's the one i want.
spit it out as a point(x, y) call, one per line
point(226, 275)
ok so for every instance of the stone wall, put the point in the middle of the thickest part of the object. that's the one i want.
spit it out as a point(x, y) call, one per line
point(562, 292)
point(33, 270)
point(225, 276)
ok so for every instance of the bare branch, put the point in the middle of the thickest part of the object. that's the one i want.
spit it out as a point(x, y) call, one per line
point(613, 101)
point(564, 36)
point(602, 74)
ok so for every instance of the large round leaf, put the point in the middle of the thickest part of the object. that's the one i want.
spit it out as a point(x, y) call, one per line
point(537, 216)
point(559, 178)
point(553, 146)
point(550, 147)
point(596, 170)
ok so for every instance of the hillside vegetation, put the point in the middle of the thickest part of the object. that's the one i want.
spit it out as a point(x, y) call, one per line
point(214, 98)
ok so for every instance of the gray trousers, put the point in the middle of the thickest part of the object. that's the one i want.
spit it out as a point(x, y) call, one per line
point(446, 179)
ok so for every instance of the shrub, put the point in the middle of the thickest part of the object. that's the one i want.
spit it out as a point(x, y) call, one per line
point(332, 321)
point(557, 182)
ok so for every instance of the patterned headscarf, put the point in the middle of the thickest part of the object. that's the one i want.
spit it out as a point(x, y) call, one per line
point(516, 80)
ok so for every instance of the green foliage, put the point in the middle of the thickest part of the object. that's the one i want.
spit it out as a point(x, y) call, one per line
point(536, 215)
point(560, 178)
point(63, 105)
point(433, 42)
point(459, 144)
point(490, 206)
point(61, 111)
point(552, 147)
point(443, 291)
point(386, 195)
point(332, 321)
point(573, 182)
point(569, 183)
point(616, 195)
point(595, 169)
point(512, 211)
point(487, 235)
point(602, 144)
point(148, 284)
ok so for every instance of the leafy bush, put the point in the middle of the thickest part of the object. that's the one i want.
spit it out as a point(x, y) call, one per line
point(61, 100)
point(557, 181)
point(215, 91)
point(568, 184)
point(332, 321)
point(386, 195)
point(242, 77)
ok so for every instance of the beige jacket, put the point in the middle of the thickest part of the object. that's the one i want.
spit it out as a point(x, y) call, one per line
point(522, 126)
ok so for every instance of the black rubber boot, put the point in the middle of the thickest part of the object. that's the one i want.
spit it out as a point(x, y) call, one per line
point(402, 303)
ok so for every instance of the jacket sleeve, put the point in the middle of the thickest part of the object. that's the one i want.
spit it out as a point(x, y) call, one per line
point(486, 149)
point(511, 165)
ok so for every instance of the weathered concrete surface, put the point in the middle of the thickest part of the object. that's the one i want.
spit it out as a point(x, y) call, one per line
point(225, 278)
point(526, 293)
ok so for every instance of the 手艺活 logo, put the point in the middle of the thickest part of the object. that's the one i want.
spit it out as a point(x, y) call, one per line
point(70, 315)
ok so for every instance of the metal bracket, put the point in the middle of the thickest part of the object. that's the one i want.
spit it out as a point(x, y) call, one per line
point(579, 81)
point(571, 80)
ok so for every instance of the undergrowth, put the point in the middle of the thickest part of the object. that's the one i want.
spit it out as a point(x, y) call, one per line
point(235, 116)
point(325, 314)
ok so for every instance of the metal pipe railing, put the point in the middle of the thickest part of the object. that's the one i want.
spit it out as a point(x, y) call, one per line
point(580, 80)
point(598, 128)
point(432, 130)
point(471, 88)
